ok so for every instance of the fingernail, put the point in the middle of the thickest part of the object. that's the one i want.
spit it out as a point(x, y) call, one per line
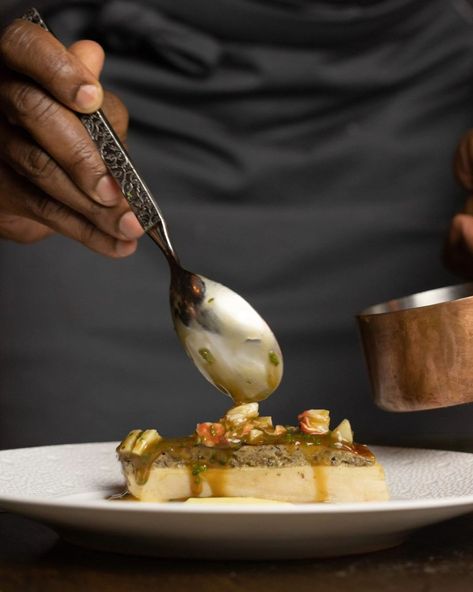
point(129, 226)
point(108, 191)
point(88, 97)
point(123, 249)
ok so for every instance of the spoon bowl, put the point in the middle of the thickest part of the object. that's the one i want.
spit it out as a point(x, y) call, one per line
point(228, 341)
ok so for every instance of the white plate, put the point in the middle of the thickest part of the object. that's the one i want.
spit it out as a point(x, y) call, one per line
point(67, 487)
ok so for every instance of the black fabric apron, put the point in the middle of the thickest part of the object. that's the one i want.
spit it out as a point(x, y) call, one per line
point(301, 152)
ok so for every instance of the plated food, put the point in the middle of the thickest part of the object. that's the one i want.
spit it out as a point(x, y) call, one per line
point(243, 455)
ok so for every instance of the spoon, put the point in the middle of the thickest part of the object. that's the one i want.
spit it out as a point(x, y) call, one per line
point(228, 341)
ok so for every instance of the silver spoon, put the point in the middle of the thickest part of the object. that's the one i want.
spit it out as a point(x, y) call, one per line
point(231, 345)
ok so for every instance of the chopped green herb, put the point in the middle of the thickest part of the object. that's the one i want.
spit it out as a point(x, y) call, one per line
point(210, 300)
point(206, 355)
point(273, 358)
point(196, 472)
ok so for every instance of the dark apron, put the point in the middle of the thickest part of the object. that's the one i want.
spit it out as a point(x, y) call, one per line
point(301, 152)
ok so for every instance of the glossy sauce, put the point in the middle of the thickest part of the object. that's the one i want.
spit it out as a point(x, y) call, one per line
point(320, 483)
point(195, 483)
point(209, 478)
point(216, 480)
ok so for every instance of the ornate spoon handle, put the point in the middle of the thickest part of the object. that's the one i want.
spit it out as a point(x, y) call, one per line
point(121, 168)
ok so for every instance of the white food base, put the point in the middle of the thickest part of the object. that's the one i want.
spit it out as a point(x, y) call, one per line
point(288, 484)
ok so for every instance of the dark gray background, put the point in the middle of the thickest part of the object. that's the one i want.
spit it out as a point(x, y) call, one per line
point(301, 152)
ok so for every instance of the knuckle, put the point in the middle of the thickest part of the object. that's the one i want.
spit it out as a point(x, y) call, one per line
point(38, 164)
point(30, 103)
point(46, 209)
point(87, 234)
point(85, 155)
point(60, 67)
point(95, 210)
point(13, 37)
point(103, 218)
point(27, 159)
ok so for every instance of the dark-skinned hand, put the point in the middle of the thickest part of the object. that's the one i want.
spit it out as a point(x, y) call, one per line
point(459, 244)
point(52, 178)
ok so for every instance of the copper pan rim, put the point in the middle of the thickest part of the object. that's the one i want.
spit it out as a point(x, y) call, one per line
point(435, 298)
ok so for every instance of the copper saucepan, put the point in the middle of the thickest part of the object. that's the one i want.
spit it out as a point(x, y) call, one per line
point(419, 349)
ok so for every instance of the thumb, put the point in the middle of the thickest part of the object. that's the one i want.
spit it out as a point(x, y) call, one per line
point(90, 54)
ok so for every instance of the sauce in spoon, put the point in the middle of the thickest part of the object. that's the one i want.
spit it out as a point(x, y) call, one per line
point(228, 341)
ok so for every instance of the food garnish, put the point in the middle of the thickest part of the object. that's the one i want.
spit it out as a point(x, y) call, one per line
point(244, 455)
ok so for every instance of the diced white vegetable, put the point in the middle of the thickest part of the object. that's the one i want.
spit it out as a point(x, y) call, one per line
point(242, 413)
point(343, 432)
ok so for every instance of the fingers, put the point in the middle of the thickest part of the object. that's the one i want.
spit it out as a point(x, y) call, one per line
point(458, 253)
point(61, 135)
point(24, 200)
point(52, 172)
point(468, 207)
point(463, 161)
point(90, 54)
point(38, 55)
point(117, 114)
point(22, 230)
point(461, 231)
point(30, 161)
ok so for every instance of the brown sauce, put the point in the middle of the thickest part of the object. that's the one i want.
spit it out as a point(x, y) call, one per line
point(320, 483)
point(211, 477)
point(195, 482)
point(363, 450)
point(319, 474)
point(216, 480)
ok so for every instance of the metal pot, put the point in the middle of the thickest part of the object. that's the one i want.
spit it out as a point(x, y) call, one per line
point(419, 349)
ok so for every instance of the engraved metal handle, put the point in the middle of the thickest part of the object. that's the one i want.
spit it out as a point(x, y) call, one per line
point(121, 168)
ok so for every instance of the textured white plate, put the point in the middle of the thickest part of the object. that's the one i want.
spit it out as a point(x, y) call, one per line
point(67, 487)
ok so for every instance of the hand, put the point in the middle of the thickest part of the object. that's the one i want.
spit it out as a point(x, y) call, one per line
point(52, 178)
point(459, 244)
